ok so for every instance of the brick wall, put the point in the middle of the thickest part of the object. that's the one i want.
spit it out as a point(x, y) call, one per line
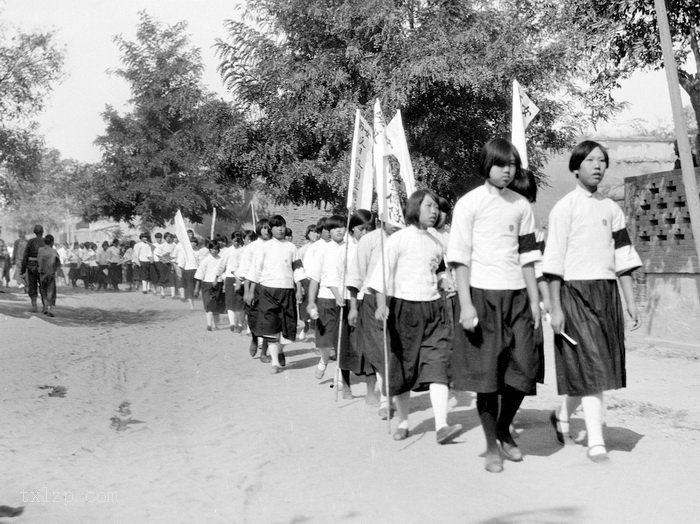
point(659, 222)
point(667, 288)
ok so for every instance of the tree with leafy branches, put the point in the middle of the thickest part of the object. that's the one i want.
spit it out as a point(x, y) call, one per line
point(302, 67)
point(30, 66)
point(60, 190)
point(180, 147)
point(629, 34)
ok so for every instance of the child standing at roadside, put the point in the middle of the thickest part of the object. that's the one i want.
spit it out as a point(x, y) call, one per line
point(588, 250)
point(492, 249)
point(48, 262)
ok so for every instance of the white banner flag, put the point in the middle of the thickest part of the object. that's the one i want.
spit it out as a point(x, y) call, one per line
point(524, 110)
point(361, 169)
point(387, 174)
point(184, 239)
point(396, 143)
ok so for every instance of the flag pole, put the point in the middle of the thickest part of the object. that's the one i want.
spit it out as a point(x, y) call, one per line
point(213, 224)
point(687, 170)
point(384, 328)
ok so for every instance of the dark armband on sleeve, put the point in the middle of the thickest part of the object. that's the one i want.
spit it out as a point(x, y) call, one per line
point(527, 243)
point(442, 267)
point(621, 238)
point(297, 265)
point(549, 277)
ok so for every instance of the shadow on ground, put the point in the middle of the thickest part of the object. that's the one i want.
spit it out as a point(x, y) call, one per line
point(562, 515)
point(17, 306)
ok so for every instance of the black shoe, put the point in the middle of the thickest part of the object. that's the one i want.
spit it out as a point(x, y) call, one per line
point(253, 349)
point(282, 359)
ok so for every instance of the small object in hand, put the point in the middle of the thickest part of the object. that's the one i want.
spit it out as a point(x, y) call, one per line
point(476, 322)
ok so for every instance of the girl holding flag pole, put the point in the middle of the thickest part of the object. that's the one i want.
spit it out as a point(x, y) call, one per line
point(415, 314)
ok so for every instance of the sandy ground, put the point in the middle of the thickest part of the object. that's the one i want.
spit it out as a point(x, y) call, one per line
point(124, 409)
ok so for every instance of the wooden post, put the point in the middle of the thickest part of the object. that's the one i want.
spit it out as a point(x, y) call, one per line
point(687, 169)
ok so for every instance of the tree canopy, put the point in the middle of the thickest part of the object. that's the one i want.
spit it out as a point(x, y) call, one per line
point(631, 30)
point(180, 147)
point(302, 67)
point(30, 65)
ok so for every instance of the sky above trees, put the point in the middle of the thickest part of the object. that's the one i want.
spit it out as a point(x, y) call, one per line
point(72, 121)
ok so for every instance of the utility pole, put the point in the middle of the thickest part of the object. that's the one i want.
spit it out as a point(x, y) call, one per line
point(687, 169)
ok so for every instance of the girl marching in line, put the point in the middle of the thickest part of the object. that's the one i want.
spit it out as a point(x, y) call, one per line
point(419, 333)
point(264, 233)
point(588, 250)
point(363, 305)
point(492, 248)
point(326, 300)
point(209, 274)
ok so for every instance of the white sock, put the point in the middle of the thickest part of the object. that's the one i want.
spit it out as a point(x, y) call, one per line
point(402, 402)
point(439, 395)
point(593, 414)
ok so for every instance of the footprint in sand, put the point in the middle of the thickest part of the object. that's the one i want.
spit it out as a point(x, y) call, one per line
point(56, 391)
point(122, 422)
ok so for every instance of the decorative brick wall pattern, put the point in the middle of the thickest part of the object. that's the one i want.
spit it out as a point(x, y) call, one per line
point(658, 221)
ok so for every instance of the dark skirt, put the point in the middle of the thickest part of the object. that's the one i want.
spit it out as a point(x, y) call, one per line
point(303, 313)
point(502, 350)
point(73, 273)
point(101, 275)
point(594, 318)
point(327, 323)
point(5, 268)
point(368, 338)
point(420, 345)
point(129, 273)
point(153, 274)
point(115, 274)
point(213, 297)
point(143, 271)
point(84, 273)
point(252, 313)
point(166, 277)
point(277, 312)
point(188, 282)
point(234, 297)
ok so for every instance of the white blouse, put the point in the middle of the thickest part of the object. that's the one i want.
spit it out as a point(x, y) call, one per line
point(276, 264)
point(209, 269)
point(493, 232)
point(588, 239)
point(412, 259)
